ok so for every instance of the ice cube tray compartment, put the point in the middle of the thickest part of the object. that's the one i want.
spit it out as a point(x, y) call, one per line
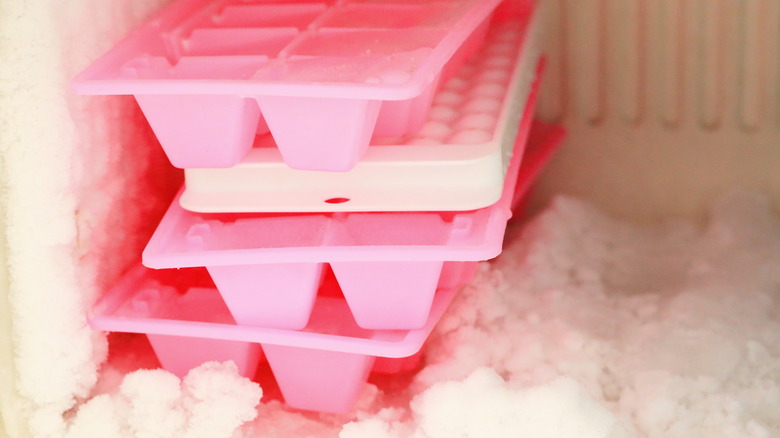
point(322, 367)
point(305, 66)
point(387, 264)
point(457, 161)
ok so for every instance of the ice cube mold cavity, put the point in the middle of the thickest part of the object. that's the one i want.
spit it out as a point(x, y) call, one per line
point(267, 266)
point(456, 162)
point(321, 76)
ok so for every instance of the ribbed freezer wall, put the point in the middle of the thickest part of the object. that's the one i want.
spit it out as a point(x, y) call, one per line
point(669, 102)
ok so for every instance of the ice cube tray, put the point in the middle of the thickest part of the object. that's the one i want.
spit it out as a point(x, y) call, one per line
point(321, 76)
point(456, 162)
point(322, 367)
point(268, 267)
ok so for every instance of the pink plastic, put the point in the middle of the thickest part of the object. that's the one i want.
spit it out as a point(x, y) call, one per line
point(322, 368)
point(267, 266)
point(321, 76)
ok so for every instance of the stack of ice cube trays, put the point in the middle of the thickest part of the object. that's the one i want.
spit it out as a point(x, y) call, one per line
point(347, 164)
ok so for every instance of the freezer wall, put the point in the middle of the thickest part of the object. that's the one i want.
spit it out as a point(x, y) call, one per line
point(668, 102)
point(77, 198)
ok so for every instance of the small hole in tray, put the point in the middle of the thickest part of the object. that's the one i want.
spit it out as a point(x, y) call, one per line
point(337, 200)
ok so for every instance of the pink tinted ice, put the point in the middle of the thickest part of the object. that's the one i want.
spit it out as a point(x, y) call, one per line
point(323, 77)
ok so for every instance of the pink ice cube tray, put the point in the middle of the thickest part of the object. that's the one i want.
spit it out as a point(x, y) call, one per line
point(268, 267)
point(321, 76)
point(322, 367)
point(456, 162)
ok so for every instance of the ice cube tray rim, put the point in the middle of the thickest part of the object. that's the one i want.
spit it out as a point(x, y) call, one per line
point(488, 248)
point(88, 82)
point(410, 343)
point(386, 155)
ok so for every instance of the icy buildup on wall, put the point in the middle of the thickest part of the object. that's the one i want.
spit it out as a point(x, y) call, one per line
point(73, 172)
